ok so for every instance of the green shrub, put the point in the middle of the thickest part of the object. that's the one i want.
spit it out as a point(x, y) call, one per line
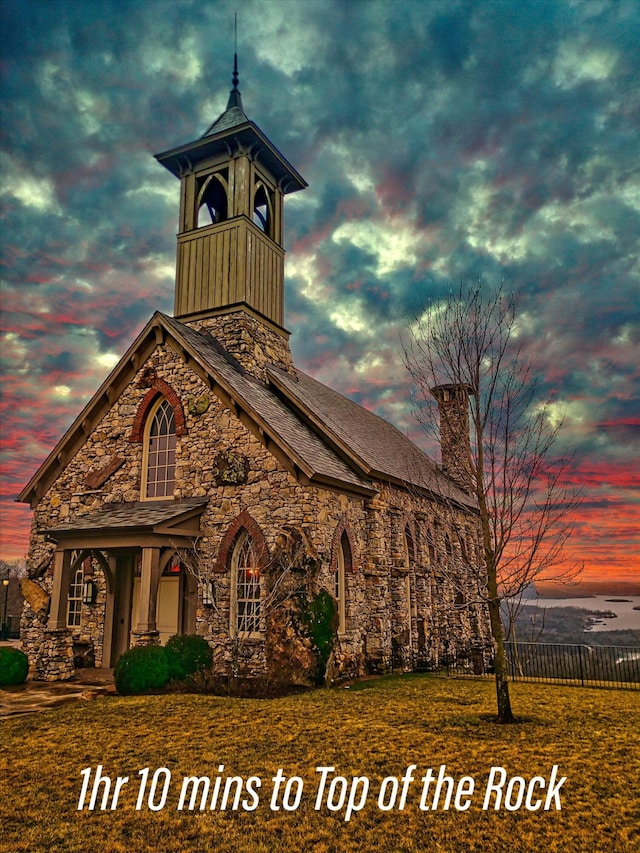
point(14, 666)
point(187, 654)
point(320, 616)
point(142, 668)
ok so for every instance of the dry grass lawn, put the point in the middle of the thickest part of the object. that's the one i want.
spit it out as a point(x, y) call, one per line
point(375, 729)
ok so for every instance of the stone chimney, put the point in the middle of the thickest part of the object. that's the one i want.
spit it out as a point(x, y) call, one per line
point(455, 442)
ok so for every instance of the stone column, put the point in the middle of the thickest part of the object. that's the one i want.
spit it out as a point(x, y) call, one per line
point(146, 632)
point(376, 569)
point(455, 442)
point(55, 661)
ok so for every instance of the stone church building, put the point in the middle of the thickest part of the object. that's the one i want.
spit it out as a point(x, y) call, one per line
point(209, 485)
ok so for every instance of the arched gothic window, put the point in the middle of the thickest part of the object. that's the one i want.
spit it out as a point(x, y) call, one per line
point(212, 204)
point(431, 550)
point(409, 563)
point(463, 550)
point(160, 451)
point(343, 564)
point(262, 213)
point(409, 551)
point(448, 548)
point(245, 587)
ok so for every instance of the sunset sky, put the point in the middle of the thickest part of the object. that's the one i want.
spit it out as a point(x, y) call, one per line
point(441, 141)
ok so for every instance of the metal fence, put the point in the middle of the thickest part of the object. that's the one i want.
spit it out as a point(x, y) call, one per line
point(566, 663)
point(10, 630)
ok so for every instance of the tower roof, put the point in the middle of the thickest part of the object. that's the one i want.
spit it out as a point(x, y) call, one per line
point(234, 113)
point(233, 130)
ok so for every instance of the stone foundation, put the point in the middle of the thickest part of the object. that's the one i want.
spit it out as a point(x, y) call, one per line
point(145, 638)
point(55, 658)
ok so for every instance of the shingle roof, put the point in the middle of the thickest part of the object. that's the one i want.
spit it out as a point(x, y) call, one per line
point(129, 516)
point(330, 439)
point(314, 454)
point(376, 444)
point(327, 429)
point(231, 117)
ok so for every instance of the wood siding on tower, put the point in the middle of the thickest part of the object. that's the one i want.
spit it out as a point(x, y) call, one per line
point(227, 263)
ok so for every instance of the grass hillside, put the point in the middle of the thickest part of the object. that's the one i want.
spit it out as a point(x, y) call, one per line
point(375, 729)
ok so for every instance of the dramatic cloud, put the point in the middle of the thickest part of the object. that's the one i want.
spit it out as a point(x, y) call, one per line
point(441, 140)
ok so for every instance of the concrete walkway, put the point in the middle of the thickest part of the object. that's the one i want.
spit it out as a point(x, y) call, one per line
point(34, 696)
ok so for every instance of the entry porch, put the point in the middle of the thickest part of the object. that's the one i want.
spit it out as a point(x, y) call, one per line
point(122, 577)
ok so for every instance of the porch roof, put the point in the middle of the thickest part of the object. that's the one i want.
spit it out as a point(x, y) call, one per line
point(179, 517)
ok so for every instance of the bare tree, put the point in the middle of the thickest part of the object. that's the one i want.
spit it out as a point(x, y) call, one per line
point(466, 350)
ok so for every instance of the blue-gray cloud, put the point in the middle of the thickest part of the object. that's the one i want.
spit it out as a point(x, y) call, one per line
point(441, 140)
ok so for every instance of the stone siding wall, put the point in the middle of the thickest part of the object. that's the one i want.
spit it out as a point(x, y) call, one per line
point(378, 633)
point(254, 344)
point(453, 409)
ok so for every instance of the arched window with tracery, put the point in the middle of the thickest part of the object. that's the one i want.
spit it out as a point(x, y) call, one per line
point(245, 587)
point(160, 451)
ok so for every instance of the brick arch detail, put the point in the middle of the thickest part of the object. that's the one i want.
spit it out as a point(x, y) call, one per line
point(159, 388)
point(343, 527)
point(244, 521)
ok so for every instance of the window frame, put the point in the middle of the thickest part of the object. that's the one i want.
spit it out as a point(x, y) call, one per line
point(253, 620)
point(263, 221)
point(74, 599)
point(409, 548)
point(344, 563)
point(146, 453)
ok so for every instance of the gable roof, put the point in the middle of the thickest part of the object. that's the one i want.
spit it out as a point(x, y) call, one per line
point(319, 435)
point(272, 415)
point(294, 443)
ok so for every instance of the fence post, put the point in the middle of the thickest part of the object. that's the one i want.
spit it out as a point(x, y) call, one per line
point(581, 670)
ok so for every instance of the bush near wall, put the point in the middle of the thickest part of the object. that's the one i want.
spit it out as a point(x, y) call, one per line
point(14, 666)
point(187, 654)
point(142, 668)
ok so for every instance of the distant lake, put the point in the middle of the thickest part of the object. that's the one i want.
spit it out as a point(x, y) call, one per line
point(627, 617)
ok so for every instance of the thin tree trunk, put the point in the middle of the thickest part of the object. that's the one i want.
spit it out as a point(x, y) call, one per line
point(505, 714)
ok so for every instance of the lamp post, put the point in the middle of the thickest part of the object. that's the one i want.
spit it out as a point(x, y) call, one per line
point(4, 633)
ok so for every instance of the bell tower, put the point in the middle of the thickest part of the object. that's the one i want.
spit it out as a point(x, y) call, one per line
point(230, 255)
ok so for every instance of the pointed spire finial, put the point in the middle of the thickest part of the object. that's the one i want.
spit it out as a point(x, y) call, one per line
point(235, 79)
point(235, 99)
